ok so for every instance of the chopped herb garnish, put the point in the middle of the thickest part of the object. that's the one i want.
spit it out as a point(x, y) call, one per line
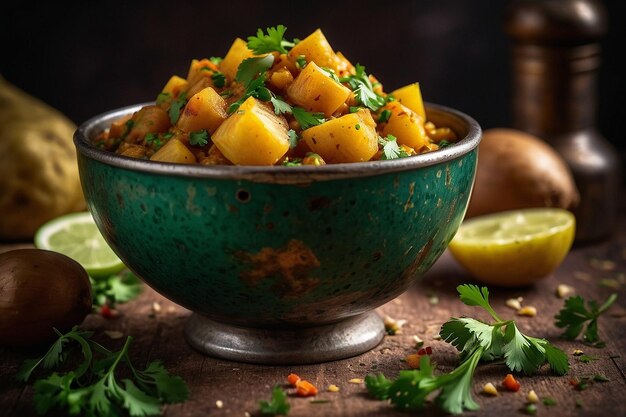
point(219, 79)
point(531, 409)
point(199, 138)
point(216, 60)
point(129, 126)
point(306, 119)
point(384, 116)
point(278, 405)
point(549, 401)
point(354, 109)
point(163, 97)
point(292, 162)
point(587, 358)
point(363, 89)
point(273, 41)
point(177, 104)
point(357, 126)
point(293, 138)
point(600, 378)
point(252, 68)
point(168, 135)
point(577, 318)
point(118, 288)
point(280, 105)
point(444, 143)
point(92, 388)
point(301, 61)
point(390, 148)
point(476, 340)
point(329, 72)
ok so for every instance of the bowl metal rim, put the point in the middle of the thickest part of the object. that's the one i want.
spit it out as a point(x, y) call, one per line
point(276, 174)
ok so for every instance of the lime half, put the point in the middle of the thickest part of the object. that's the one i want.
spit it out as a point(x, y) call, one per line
point(516, 247)
point(77, 236)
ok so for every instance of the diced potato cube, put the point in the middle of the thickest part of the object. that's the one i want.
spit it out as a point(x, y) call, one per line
point(349, 138)
point(317, 92)
point(316, 48)
point(406, 125)
point(174, 86)
point(236, 54)
point(174, 151)
point(149, 119)
point(200, 69)
point(205, 110)
point(344, 66)
point(253, 135)
point(411, 97)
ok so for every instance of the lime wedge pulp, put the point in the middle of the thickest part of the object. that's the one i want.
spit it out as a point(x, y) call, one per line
point(77, 236)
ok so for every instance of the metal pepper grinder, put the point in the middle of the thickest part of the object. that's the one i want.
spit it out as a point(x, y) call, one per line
point(556, 55)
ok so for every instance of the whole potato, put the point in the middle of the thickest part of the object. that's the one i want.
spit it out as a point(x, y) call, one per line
point(40, 290)
point(38, 170)
point(517, 170)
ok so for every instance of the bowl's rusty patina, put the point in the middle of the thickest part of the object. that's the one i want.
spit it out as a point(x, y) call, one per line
point(280, 247)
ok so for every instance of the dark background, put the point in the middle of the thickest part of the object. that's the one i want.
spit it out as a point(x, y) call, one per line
point(85, 58)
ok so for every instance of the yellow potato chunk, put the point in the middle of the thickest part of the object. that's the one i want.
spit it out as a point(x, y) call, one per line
point(205, 110)
point(316, 48)
point(349, 138)
point(174, 86)
point(317, 92)
point(406, 125)
point(174, 151)
point(253, 135)
point(198, 69)
point(235, 55)
point(411, 97)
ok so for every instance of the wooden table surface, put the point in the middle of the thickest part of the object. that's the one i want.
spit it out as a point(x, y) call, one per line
point(594, 270)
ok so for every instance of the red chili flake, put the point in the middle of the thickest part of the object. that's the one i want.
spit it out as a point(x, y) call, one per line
point(425, 351)
point(106, 312)
point(510, 383)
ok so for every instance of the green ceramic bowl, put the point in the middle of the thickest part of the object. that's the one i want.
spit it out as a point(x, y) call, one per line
point(280, 247)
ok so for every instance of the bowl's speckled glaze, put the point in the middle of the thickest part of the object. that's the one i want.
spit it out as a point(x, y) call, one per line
point(288, 246)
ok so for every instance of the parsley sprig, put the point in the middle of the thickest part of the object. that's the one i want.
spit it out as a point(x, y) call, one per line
point(476, 340)
point(577, 318)
point(114, 289)
point(278, 405)
point(93, 388)
point(272, 41)
point(363, 89)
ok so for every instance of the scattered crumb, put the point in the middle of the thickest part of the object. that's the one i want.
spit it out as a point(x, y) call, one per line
point(433, 299)
point(171, 309)
point(397, 301)
point(563, 290)
point(583, 276)
point(513, 303)
point(437, 337)
point(156, 307)
point(528, 311)
point(418, 342)
point(602, 264)
point(532, 397)
point(578, 352)
point(356, 381)
point(490, 389)
point(219, 404)
point(393, 326)
point(114, 334)
point(332, 388)
point(246, 414)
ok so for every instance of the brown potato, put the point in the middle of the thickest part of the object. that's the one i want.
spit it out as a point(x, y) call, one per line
point(38, 171)
point(40, 290)
point(517, 170)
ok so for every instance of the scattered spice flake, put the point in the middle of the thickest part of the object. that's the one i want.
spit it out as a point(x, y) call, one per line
point(393, 326)
point(602, 264)
point(583, 276)
point(579, 384)
point(319, 401)
point(219, 403)
point(549, 401)
point(510, 383)
point(578, 352)
point(418, 342)
point(413, 360)
point(527, 311)
point(563, 290)
point(532, 397)
point(356, 381)
point(107, 312)
point(531, 409)
point(114, 334)
point(513, 303)
point(600, 378)
point(332, 388)
point(490, 389)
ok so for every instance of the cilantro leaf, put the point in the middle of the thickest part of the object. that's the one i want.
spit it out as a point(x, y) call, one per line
point(280, 105)
point(391, 149)
point(171, 388)
point(384, 116)
point(118, 288)
point(577, 318)
point(306, 119)
point(219, 79)
point(293, 138)
point(216, 60)
point(556, 358)
point(522, 353)
point(199, 138)
point(378, 386)
point(278, 405)
point(177, 104)
point(363, 89)
point(273, 41)
point(251, 68)
point(471, 295)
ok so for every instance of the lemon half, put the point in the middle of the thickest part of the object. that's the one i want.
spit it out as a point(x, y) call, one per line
point(514, 248)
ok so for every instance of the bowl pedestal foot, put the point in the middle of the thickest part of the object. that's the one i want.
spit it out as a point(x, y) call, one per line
point(344, 339)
